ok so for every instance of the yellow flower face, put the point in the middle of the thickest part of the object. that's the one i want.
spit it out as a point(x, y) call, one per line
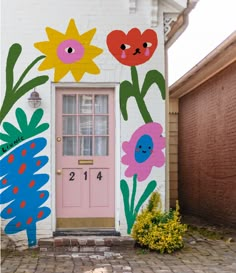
point(69, 52)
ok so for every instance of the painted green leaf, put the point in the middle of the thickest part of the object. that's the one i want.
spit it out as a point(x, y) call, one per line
point(26, 71)
point(36, 117)
point(15, 92)
point(130, 217)
point(21, 119)
point(5, 137)
point(31, 85)
point(10, 129)
point(26, 130)
point(13, 55)
point(130, 212)
point(128, 90)
point(154, 76)
point(125, 192)
point(149, 189)
point(40, 128)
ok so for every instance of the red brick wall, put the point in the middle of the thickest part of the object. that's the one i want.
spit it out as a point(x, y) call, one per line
point(207, 149)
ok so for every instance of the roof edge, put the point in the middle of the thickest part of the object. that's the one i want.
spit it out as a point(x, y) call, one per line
point(218, 59)
point(180, 24)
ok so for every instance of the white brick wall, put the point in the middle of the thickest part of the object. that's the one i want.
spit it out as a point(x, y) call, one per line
point(24, 22)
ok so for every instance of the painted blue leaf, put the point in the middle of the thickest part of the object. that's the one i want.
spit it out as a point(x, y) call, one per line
point(25, 222)
point(18, 171)
point(17, 156)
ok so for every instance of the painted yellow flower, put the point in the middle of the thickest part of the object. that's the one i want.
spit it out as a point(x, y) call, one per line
point(69, 52)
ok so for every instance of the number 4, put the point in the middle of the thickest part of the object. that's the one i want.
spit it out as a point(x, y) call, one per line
point(99, 176)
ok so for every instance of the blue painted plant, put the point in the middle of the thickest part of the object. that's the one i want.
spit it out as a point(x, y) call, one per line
point(20, 179)
point(21, 183)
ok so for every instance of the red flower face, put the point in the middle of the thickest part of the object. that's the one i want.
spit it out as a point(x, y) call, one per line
point(134, 48)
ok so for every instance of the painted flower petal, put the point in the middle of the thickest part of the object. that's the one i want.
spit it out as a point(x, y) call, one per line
point(92, 52)
point(43, 46)
point(54, 35)
point(46, 64)
point(77, 74)
point(72, 31)
point(133, 48)
point(125, 146)
point(144, 150)
point(125, 160)
point(92, 68)
point(60, 72)
point(68, 52)
point(129, 172)
point(161, 159)
point(144, 173)
point(88, 36)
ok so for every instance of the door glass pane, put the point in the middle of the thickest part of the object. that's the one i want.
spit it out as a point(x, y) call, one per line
point(101, 104)
point(85, 104)
point(85, 125)
point(86, 145)
point(101, 146)
point(69, 104)
point(69, 125)
point(101, 125)
point(69, 145)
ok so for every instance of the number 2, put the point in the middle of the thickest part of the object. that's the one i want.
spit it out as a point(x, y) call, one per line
point(72, 176)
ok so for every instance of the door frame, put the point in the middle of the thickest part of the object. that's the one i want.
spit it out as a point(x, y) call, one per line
point(115, 86)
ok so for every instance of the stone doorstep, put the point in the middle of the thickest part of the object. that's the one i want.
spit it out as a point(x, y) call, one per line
point(85, 244)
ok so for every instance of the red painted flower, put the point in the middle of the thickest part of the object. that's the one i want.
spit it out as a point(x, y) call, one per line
point(134, 48)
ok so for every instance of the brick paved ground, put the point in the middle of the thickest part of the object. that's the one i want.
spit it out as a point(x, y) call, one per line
point(199, 255)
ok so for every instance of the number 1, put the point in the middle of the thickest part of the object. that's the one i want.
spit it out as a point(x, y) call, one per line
point(85, 175)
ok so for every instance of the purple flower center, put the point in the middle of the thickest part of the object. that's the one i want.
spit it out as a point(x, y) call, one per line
point(70, 51)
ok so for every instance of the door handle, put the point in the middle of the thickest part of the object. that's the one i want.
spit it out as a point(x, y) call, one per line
point(59, 172)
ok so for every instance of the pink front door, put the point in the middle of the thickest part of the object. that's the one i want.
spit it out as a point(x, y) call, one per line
point(85, 174)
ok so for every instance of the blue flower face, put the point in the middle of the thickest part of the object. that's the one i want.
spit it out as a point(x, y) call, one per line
point(143, 148)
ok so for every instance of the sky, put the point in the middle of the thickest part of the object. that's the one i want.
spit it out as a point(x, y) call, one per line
point(210, 23)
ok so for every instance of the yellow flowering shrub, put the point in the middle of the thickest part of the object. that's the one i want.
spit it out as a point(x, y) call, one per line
point(157, 230)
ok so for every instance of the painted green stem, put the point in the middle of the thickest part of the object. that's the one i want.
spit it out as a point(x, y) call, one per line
point(26, 72)
point(133, 193)
point(132, 216)
point(138, 97)
point(13, 55)
point(14, 93)
point(11, 99)
point(132, 89)
point(131, 211)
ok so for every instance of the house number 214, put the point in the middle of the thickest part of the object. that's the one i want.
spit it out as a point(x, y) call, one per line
point(72, 176)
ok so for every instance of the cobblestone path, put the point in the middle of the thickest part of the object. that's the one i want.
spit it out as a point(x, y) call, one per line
point(198, 256)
